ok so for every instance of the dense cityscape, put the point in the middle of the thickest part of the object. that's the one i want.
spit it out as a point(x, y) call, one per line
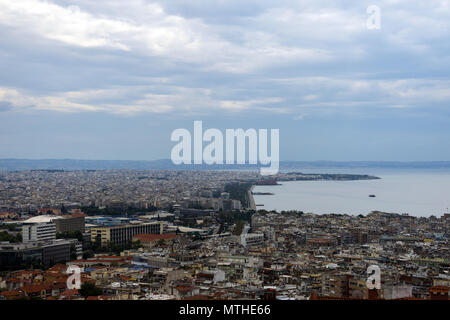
point(224, 159)
point(198, 235)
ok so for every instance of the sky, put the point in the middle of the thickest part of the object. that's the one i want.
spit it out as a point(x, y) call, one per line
point(111, 79)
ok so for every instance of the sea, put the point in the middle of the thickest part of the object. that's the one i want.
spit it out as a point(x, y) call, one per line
point(417, 192)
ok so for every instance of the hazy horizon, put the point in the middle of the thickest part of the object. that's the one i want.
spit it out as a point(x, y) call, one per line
point(366, 167)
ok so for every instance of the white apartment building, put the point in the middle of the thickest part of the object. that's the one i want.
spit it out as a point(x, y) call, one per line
point(253, 239)
point(39, 228)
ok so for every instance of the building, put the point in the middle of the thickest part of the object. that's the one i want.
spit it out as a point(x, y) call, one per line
point(253, 239)
point(335, 285)
point(56, 252)
point(229, 204)
point(8, 215)
point(321, 242)
point(70, 223)
point(19, 254)
point(439, 293)
point(13, 255)
point(225, 195)
point(150, 240)
point(210, 276)
point(397, 292)
point(38, 230)
point(77, 245)
point(122, 234)
point(46, 211)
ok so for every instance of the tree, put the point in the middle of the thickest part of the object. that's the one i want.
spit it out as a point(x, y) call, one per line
point(10, 227)
point(196, 237)
point(5, 236)
point(239, 227)
point(89, 289)
point(136, 244)
point(70, 235)
point(88, 254)
point(97, 243)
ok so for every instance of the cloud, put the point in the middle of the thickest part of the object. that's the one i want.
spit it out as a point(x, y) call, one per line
point(19, 100)
point(149, 66)
point(315, 94)
point(189, 100)
point(200, 57)
point(243, 105)
point(160, 34)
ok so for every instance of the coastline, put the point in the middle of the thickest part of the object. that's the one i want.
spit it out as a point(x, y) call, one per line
point(251, 199)
point(416, 194)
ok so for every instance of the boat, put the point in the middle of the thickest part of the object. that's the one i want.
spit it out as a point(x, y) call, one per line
point(371, 195)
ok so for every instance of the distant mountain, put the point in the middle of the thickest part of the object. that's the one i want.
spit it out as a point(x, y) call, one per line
point(367, 164)
point(166, 164)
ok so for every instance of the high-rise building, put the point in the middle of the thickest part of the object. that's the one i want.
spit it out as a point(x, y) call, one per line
point(40, 228)
point(57, 251)
point(70, 223)
point(122, 234)
point(45, 228)
point(24, 254)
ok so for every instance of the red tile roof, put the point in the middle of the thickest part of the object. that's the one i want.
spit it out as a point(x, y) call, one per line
point(12, 293)
point(97, 298)
point(34, 288)
point(70, 292)
point(184, 288)
point(154, 237)
point(75, 215)
point(198, 297)
point(58, 267)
